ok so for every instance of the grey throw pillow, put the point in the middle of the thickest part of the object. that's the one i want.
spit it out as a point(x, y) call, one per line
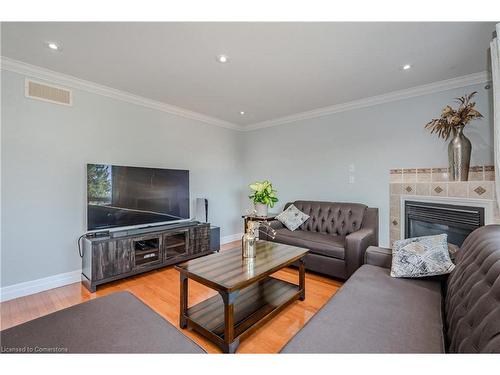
point(292, 217)
point(421, 256)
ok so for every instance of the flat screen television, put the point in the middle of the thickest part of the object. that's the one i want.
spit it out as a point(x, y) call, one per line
point(132, 196)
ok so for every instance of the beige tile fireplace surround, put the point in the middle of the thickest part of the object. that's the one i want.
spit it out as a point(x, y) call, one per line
point(433, 185)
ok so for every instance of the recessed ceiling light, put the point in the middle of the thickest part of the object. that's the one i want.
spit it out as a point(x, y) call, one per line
point(222, 59)
point(53, 46)
point(242, 113)
point(406, 67)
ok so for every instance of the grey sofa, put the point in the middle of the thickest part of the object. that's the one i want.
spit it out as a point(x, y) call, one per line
point(375, 313)
point(336, 234)
point(117, 323)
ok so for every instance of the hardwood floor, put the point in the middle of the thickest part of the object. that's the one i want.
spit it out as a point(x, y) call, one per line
point(160, 290)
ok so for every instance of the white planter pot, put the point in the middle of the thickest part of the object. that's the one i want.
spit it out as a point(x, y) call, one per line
point(261, 209)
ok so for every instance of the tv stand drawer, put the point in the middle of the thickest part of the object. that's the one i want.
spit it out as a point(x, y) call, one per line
point(111, 258)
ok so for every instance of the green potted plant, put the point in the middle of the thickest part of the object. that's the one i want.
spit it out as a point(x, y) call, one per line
point(263, 196)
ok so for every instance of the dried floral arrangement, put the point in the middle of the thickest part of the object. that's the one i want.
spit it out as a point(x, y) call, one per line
point(451, 118)
point(255, 227)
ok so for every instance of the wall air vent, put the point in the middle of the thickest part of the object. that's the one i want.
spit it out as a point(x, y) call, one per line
point(48, 93)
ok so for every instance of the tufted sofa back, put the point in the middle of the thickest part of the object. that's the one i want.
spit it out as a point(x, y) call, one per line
point(330, 217)
point(472, 303)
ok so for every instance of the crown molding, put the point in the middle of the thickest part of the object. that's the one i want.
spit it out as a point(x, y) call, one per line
point(95, 88)
point(67, 80)
point(430, 88)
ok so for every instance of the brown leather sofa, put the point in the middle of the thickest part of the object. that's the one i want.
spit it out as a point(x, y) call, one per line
point(375, 313)
point(337, 235)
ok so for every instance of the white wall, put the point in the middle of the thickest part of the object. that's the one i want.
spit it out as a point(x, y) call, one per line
point(45, 148)
point(310, 159)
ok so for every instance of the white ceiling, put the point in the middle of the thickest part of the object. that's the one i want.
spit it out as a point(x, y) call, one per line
point(275, 69)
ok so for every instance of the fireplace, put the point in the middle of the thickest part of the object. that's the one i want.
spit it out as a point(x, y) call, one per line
point(429, 218)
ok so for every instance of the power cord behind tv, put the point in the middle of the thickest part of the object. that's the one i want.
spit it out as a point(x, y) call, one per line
point(104, 233)
point(79, 245)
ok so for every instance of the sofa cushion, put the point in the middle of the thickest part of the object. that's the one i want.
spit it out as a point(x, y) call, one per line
point(117, 323)
point(421, 257)
point(292, 217)
point(375, 313)
point(473, 294)
point(317, 243)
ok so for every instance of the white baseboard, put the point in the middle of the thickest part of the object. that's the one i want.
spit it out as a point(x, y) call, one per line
point(51, 282)
point(39, 285)
point(230, 238)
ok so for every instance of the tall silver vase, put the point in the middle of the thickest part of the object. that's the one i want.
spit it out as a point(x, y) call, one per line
point(459, 151)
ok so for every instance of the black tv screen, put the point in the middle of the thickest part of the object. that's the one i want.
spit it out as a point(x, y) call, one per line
point(129, 196)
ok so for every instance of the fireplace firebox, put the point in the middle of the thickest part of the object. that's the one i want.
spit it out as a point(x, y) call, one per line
point(425, 219)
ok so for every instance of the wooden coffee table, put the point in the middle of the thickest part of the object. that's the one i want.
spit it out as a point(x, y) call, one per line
point(250, 296)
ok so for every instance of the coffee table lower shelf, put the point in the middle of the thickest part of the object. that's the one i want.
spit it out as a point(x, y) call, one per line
point(253, 306)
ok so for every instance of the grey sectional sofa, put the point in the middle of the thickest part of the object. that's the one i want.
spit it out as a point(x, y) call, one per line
point(336, 234)
point(375, 313)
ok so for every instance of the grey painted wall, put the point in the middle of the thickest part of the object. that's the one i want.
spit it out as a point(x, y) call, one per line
point(45, 148)
point(310, 159)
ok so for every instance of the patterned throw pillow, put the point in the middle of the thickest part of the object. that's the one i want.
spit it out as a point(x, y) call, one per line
point(292, 217)
point(421, 256)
